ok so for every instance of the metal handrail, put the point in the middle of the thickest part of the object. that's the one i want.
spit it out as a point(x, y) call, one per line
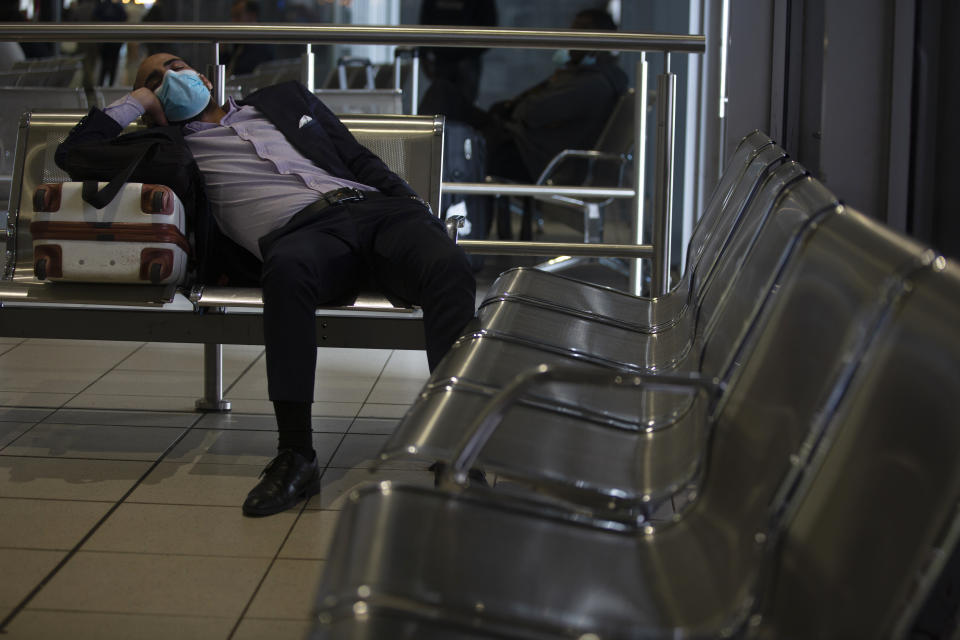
point(435, 36)
point(536, 190)
point(353, 34)
point(596, 249)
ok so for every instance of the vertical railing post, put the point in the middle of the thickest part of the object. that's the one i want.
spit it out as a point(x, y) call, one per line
point(218, 76)
point(415, 82)
point(639, 170)
point(663, 194)
point(308, 71)
point(398, 68)
point(212, 399)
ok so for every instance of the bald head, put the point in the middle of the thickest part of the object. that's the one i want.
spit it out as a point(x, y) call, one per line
point(152, 69)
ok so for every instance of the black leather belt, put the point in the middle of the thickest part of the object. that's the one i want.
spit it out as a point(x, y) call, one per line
point(342, 195)
point(336, 197)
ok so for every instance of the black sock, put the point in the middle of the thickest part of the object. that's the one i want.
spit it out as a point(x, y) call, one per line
point(294, 427)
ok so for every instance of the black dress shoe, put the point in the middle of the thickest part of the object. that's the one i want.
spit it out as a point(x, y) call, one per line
point(289, 478)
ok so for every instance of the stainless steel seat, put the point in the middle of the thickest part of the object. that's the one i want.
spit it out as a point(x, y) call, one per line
point(571, 440)
point(411, 145)
point(879, 517)
point(746, 169)
point(607, 448)
point(15, 101)
point(669, 344)
point(482, 563)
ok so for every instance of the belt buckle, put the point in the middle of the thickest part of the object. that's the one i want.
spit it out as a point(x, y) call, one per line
point(347, 194)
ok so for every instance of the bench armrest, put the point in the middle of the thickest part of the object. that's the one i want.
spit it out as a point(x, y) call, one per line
point(592, 156)
point(453, 223)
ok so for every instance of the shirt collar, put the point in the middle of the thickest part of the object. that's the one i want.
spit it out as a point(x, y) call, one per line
point(199, 125)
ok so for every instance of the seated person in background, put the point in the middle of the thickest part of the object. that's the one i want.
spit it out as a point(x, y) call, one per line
point(286, 180)
point(566, 111)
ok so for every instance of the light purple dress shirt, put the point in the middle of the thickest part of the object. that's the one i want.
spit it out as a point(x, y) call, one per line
point(255, 179)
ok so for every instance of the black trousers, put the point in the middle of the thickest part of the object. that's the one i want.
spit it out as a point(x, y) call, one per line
point(325, 257)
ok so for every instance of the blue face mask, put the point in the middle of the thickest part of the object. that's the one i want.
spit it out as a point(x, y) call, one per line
point(182, 95)
point(561, 57)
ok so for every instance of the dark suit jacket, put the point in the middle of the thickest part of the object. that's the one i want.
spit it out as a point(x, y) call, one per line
point(322, 138)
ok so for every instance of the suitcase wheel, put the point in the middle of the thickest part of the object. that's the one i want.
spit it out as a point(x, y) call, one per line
point(47, 197)
point(156, 264)
point(47, 261)
point(154, 199)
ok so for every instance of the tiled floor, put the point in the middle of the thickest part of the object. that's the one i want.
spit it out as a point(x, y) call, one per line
point(120, 505)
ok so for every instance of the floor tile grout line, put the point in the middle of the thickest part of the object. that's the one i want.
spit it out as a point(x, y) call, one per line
point(40, 499)
point(25, 432)
point(76, 395)
point(303, 507)
point(333, 454)
point(114, 552)
point(262, 354)
point(11, 348)
point(141, 614)
point(111, 369)
point(160, 615)
point(224, 556)
point(273, 561)
point(86, 458)
point(76, 548)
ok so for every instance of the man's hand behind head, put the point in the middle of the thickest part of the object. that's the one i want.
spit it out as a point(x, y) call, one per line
point(153, 111)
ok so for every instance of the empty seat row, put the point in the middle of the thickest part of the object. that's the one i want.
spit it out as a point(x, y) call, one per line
point(57, 71)
point(808, 389)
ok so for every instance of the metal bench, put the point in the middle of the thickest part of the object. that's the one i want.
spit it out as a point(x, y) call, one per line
point(18, 100)
point(626, 339)
point(57, 71)
point(410, 145)
point(735, 189)
point(362, 100)
point(861, 551)
point(478, 563)
point(568, 440)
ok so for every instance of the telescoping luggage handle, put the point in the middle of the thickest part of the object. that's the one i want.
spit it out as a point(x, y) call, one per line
point(99, 198)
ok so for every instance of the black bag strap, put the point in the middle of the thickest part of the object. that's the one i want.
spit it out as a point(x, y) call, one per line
point(99, 198)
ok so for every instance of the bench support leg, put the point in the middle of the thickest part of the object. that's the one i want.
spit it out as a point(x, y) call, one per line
point(212, 399)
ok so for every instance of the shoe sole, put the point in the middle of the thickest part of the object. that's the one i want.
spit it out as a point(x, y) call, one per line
point(311, 489)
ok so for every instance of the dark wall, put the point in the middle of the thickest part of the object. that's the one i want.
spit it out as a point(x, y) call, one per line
point(863, 93)
point(944, 199)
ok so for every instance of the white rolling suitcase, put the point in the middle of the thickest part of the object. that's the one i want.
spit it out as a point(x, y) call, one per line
point(138, 237)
